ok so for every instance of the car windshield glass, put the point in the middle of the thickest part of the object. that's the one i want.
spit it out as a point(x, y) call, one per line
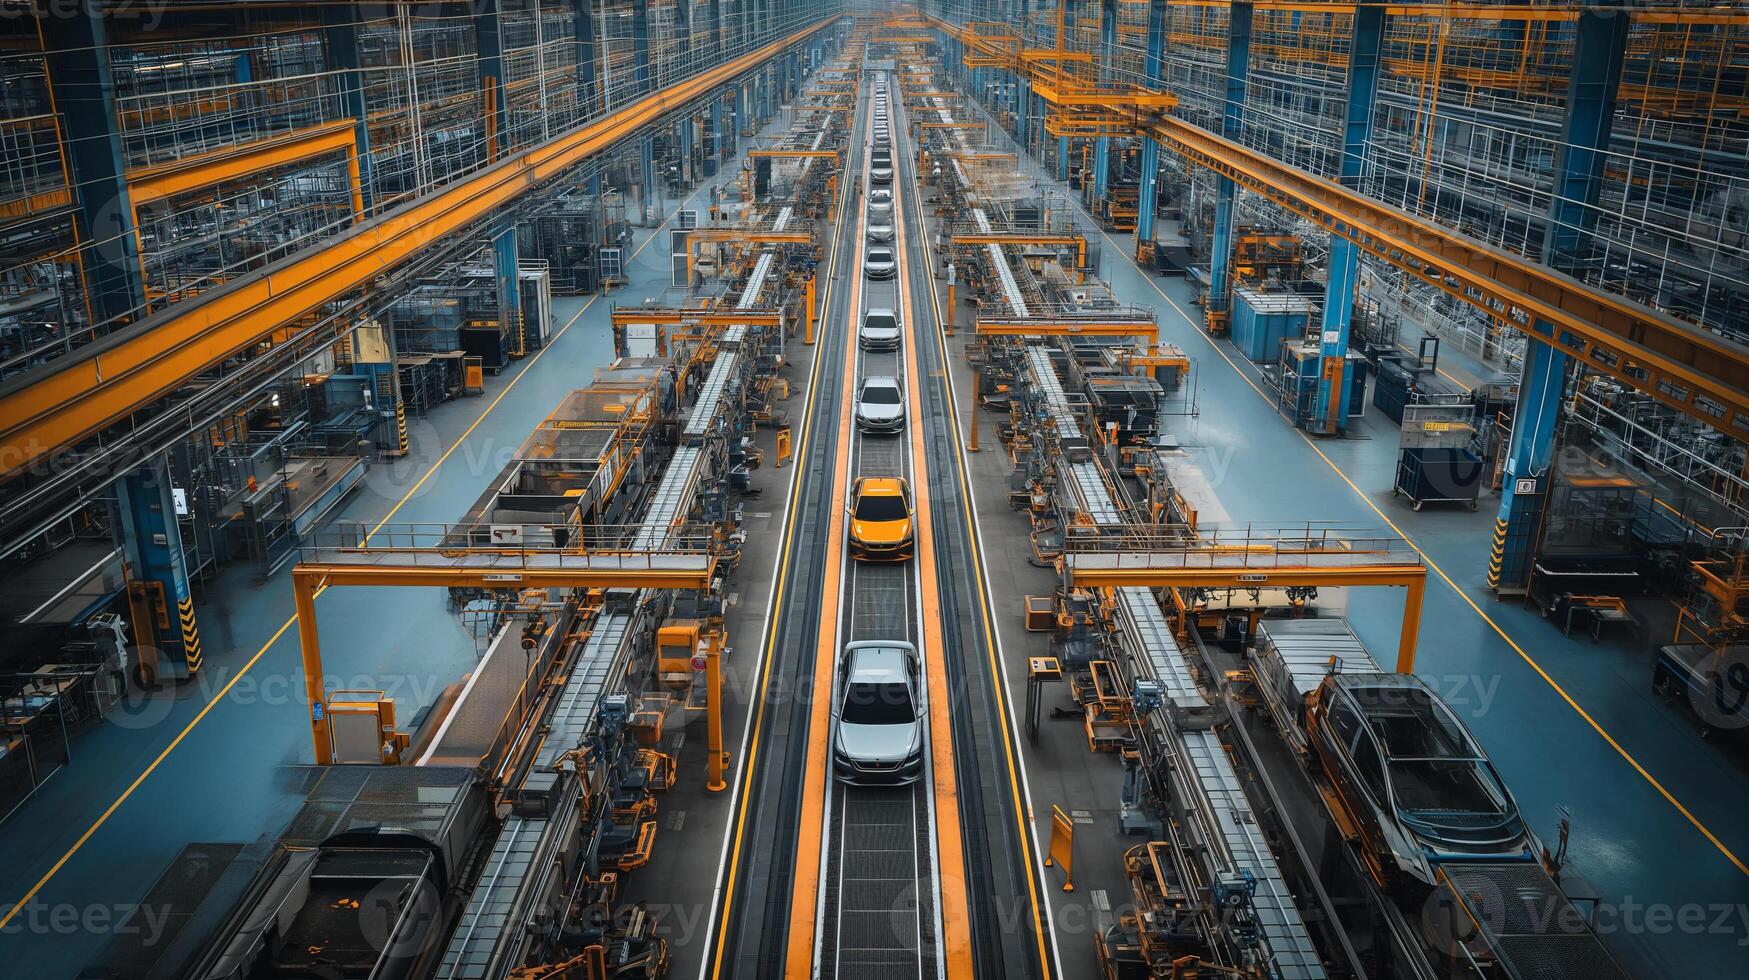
point(1449, 792)
point(880, 395)
point(879, 322)
point(882, 508)
point(879, 255)
point(883, 703)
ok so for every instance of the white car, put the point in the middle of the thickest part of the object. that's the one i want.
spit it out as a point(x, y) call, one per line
point(880, 406)
point(880, 262)
point(878, 714)
point(880, 330)
point(880, 201)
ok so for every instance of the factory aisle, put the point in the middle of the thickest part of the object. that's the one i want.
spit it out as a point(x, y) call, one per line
point(219, 759)
point(1656, 811)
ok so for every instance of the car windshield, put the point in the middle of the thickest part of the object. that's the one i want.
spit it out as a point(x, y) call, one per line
point(878, 703)
point(881, 508)
point(880, 395)
point(1438, 774)
point(879, 321)
point(879, 255)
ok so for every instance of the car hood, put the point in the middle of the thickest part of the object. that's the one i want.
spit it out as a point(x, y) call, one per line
point(881, 333)
point(879, 412)
point(879, 743)
point(880, 530)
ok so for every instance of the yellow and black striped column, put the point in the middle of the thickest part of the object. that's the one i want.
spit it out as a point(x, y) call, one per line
point(190, 633)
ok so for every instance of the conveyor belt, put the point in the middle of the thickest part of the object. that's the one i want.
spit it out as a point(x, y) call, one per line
point(877, 912)
point(488, 939)
point(1157, 656)
point(1044, 374)
point(1531, 925)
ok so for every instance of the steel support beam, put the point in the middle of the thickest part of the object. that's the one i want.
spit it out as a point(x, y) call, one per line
point(340, 37)
point(489, 38)
point(1330, 407)
point(1147, 191)
point(1107, 57)
point(1585, 133)
point(1232, 126)
point(159, 599)
point(83, 93)
point(588, 79)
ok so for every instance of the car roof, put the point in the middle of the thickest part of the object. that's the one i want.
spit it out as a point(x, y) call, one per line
point(877, 663)
point(880, 381)
point(883, 486)
point(880, 310)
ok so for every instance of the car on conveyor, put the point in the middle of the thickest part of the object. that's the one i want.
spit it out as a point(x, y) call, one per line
point(880, 262)
point(880, 406)
point(878, 714)
point(880, 231)
point(881, 519)
point(1411, 779)
point(880, 330)
point(880, 202)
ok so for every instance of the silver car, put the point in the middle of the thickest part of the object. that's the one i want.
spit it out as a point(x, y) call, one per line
point(880, 201)
point(878, 174)
point(878, 714)
point(881, 231)
point(880, 406)
point(880, 330)
point(880, 263)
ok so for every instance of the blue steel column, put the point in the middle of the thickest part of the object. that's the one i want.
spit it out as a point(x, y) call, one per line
point(1063, 28)
point(1022, 92)
point(1107, 55)
point(641, 45)
point(1146, 191)
point(489, 41)
point(84, 95)
point(340, 34)
point(1330, 408)
point(505, 256)
point(647, 151)
point(588, 83)
point(1232, 124)
point(152, 548)
point(717, 130)
point(1585, 133)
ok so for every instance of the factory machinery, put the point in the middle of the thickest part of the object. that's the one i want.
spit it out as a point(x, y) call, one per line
point(502, 837)
point(1264, 856)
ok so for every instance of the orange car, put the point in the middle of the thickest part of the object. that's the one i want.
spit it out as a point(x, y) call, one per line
point(880, 519)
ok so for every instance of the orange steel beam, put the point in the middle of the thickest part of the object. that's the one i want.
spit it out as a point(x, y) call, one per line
point(35, 204)
point(1677, 363)
point(162, 180)
point(1412, 577)
point(50, 408)
point(796, 154)
point(309, 579)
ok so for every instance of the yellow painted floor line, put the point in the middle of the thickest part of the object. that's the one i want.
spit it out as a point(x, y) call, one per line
point(102, 819)
point(1526, 657)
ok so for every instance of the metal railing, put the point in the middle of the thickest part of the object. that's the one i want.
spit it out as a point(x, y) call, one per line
point(1226, 547)
point(504, 546)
